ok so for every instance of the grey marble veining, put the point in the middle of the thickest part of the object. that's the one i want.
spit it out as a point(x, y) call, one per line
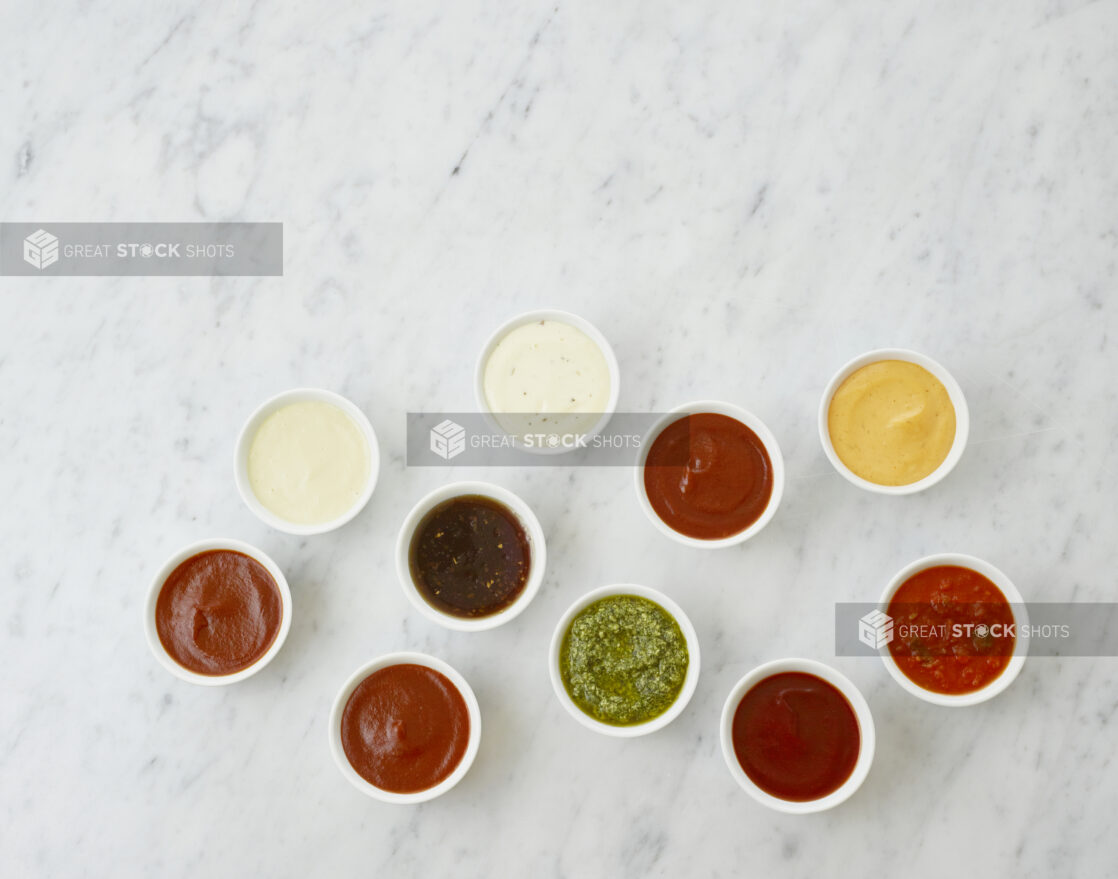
point(741, 196)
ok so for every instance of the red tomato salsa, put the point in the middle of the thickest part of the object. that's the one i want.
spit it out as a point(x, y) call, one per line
point(708, 476)
point(953, 629)
point(796, 736)
point(405, 728)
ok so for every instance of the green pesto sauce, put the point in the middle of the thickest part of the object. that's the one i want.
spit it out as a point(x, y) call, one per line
point(623, 660)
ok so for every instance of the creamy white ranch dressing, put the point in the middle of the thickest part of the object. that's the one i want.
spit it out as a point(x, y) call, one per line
point(308, 463)
point(547, 366)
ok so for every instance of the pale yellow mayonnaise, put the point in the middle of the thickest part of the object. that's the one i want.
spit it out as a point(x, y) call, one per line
point(547, 366)
point(308, 463)
point(891, 422)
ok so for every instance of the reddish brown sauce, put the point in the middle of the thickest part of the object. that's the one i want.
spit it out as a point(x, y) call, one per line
point(218, 612)
point(796, 736)
point(953, 629)
point(708, 476)
point(405, 728)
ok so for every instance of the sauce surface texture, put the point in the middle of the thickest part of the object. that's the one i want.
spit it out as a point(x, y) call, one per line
point(470, 557)
point(796, 736)
point(891, 422)
point(218, 612)
point(546, 366)
point(623, 660)
point(708, 476)
point(952, 629)
point(309, 463)
point(405, 728)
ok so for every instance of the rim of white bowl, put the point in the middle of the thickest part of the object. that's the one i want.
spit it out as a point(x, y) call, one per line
point(404, 658)
point(248, 433)
point(152, 632)
point(1017, 608)
point(537, 547)
point(579, 323)
point(750, 420)
point(690, 680)
point(862, 713)
point(954, 393)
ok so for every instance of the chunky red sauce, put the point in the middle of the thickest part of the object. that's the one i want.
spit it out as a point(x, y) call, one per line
point(708, 476)
point(218, 612)
point(405, 728)
point(953, 629)
point(796, 736)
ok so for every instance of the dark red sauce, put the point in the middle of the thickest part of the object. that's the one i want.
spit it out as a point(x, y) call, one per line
point(796, 736)
point(405, 728)
point(218, 612)
point(708, 476)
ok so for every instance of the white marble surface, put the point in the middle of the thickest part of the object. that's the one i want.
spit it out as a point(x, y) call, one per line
point(741, 195)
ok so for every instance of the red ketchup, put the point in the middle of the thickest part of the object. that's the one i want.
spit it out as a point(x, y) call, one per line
point(708, 476)
point(796, 736)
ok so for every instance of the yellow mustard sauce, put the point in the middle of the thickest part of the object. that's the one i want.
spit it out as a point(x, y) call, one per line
point(891, 422)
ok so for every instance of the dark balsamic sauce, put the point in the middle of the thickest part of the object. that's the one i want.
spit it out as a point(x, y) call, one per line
point(470, 557)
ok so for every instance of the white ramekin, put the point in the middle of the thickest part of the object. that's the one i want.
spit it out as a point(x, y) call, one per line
point(165, 659)
point(738, 414)
point(690, 680)
point(404, 658)
point(1020, 621)
point(578, 323)
point(537, 548)
point(861, 713)
point(954, 392)
point(248, 433)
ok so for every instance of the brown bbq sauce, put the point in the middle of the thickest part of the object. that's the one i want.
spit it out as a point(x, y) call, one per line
point(218, 612)
point(470, 557)
point(405, 728)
